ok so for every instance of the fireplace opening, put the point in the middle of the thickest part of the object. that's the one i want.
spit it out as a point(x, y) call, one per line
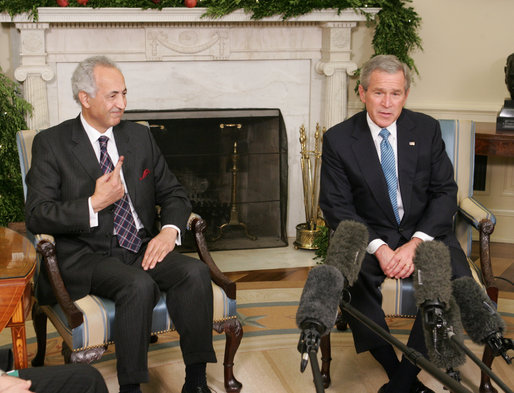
point(233, 164)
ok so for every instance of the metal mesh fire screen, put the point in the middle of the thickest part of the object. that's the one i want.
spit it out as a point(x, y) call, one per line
point(233, 164)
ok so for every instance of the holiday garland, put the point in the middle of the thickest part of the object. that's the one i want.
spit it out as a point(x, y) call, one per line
point(396, 24)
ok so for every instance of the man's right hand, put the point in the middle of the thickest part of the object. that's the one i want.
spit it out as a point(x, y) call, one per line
point(10, 384)
point(108, 189)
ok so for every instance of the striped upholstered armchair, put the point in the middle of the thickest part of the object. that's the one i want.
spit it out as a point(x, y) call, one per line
point(398, 294)
point(85, 324)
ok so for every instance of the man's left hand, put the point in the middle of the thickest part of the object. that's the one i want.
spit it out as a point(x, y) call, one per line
point(403, 265)
point(160, 246)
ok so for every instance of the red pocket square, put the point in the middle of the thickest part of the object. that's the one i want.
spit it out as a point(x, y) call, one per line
point(146, 172)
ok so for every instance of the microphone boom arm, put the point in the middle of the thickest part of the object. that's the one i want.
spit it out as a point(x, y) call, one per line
point(412, 355)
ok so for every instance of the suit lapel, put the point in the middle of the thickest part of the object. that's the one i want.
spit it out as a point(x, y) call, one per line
point(407, 158)
point(125, 149)
point(84, 151)
point(369, 164)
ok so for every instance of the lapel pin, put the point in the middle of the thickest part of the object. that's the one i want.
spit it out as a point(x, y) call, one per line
point(412, 143)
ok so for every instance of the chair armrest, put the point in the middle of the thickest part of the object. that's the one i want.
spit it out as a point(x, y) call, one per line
point(474, 212)
point(484, 221)
point(198, 226)
point(73, 314)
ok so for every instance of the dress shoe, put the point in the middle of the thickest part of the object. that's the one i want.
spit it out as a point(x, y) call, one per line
point(418, 387)
point(197, 389)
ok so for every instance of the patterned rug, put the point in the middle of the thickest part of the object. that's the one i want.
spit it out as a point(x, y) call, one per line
point(267, 360)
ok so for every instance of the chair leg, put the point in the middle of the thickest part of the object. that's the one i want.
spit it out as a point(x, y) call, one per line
point(326, 358)
point(234, 333)
point(485, 380)
point(39, 320)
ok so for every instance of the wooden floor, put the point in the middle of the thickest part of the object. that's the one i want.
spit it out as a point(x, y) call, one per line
point(502, 257)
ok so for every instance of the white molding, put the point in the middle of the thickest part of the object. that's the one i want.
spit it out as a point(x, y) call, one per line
point(177, 14)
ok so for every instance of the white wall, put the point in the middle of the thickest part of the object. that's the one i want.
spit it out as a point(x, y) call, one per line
point(466, 43)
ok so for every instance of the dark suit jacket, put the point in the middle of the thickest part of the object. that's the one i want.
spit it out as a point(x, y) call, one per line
point(62, 177)
point(353, 186)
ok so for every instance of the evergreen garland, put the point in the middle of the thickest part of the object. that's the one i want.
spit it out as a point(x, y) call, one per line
point(396, 25)
point(12, 119)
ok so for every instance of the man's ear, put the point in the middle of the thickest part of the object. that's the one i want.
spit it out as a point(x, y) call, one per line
point(84, 99)
point(362, 94)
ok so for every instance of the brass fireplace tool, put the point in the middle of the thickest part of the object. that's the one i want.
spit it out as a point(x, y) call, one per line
point(234, 210)
point(310, 164)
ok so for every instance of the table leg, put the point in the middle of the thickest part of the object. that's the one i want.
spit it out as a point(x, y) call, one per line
point(19, 337)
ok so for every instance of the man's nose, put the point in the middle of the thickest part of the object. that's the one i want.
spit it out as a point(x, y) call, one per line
point(386, 100)
point(121, 102)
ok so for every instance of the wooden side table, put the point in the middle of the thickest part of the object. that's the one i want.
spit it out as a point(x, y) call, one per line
point(489, 142)
point(17, 265)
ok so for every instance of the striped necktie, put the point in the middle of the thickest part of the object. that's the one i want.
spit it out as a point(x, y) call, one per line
point(389, 168)
point(124, 223)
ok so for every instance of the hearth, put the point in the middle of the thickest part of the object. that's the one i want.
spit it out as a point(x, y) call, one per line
point(233, 164)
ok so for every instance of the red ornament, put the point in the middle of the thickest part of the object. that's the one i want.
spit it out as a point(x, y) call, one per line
point(63, 3)
point(190, 3)
point(82, 2)
point(156, 1)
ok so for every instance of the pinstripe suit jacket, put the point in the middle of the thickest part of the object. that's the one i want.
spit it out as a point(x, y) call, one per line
point(62, 177)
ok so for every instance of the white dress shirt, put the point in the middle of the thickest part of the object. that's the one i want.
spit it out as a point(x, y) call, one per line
point(374, 245)
point(112, 150)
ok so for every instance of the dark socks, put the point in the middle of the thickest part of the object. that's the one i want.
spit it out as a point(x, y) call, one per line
point(387, 358)
point(196, 375)
point(130, 388)
point(404, 377)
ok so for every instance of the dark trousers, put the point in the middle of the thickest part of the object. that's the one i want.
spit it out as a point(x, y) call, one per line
point(367, 298)
point(135, 292)
point(76, 378)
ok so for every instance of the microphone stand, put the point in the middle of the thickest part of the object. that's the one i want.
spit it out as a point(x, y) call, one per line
point(478, 362)
point(308, 346)
point(412, 355)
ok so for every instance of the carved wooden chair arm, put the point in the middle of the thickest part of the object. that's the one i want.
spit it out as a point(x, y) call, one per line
point(73, 314)
point(198, 226)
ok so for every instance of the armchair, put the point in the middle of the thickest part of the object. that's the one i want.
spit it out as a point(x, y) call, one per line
point(398, 294)
point(85, 324)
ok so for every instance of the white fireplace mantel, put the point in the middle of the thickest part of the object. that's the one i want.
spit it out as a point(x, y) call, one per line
point(176, 58)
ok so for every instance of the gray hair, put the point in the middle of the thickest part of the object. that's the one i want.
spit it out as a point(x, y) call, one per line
point(386, 63)
point(83, 78)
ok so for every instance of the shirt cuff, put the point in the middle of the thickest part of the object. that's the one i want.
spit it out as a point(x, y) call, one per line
point(93, 217)
point(423, 236)
point(374, 245)
point(178, 242)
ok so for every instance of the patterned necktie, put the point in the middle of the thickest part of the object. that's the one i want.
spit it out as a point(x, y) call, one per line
point(389, 168)
point(124, 223)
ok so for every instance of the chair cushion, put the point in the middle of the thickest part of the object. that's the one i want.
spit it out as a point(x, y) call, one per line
point(96, 330)
point(398, 298)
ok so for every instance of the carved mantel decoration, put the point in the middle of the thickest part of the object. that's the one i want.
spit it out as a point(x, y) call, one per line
point(176, 59)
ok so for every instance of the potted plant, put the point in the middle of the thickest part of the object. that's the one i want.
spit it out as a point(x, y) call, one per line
point(13, 109)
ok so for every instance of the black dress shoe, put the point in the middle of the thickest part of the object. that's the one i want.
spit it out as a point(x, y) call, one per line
point(197, 389)
point(418, 387)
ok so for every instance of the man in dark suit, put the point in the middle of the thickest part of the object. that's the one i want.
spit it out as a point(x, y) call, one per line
point(387, 168)
point(94, 184)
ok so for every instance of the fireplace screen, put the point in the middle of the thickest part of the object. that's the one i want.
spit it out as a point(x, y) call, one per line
point(233, 163)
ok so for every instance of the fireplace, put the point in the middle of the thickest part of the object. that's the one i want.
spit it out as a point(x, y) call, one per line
point(176, 58)
point(233, 164)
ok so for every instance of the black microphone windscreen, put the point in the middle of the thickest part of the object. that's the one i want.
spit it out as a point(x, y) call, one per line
point(446, 353)
point(347, 248)
point(432, 273)
point(479, 315)
point(320, 298)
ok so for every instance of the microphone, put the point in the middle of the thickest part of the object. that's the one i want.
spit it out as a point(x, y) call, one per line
point(317, 311)
point(317, 314)
point(441, 315)
point(479, 317)
point(347, 249)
